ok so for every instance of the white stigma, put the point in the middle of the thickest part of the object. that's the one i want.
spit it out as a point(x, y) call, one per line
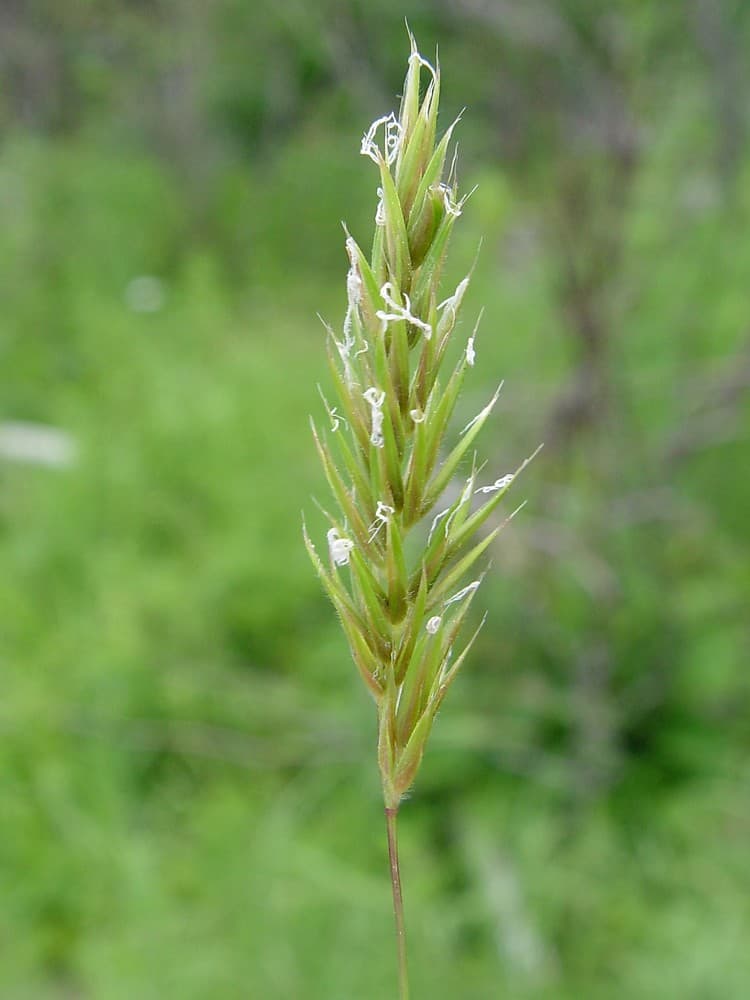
point(375, 397)
point(499, 484)
point(380, 210)
point(339, 548)
point(417, 57)
point(393, 134)
point(399, 312)
point(383, 514)
point(353, 286)
point(453, 207)
point(434, 624)
point(454, 301)
point(464, 592)
point(435, 521)
point(333, 414)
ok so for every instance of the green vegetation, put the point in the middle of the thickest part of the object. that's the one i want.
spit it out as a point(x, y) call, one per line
point(187, 796)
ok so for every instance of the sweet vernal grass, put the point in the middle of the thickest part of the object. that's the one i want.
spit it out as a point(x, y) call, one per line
point(387, 459)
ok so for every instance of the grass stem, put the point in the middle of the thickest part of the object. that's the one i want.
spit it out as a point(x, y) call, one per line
point(398, 902)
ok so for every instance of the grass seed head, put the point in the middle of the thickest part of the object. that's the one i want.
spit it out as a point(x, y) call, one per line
point(388, 431)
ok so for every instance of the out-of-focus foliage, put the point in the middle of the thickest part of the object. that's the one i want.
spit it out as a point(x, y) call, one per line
point(188, 799)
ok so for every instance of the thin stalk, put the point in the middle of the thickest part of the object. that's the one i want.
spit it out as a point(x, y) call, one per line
point(398, 902)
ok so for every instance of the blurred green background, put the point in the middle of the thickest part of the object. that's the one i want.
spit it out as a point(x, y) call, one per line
point(189, 802)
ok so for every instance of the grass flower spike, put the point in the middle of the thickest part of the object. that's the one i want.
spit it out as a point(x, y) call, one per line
point(398, 565)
